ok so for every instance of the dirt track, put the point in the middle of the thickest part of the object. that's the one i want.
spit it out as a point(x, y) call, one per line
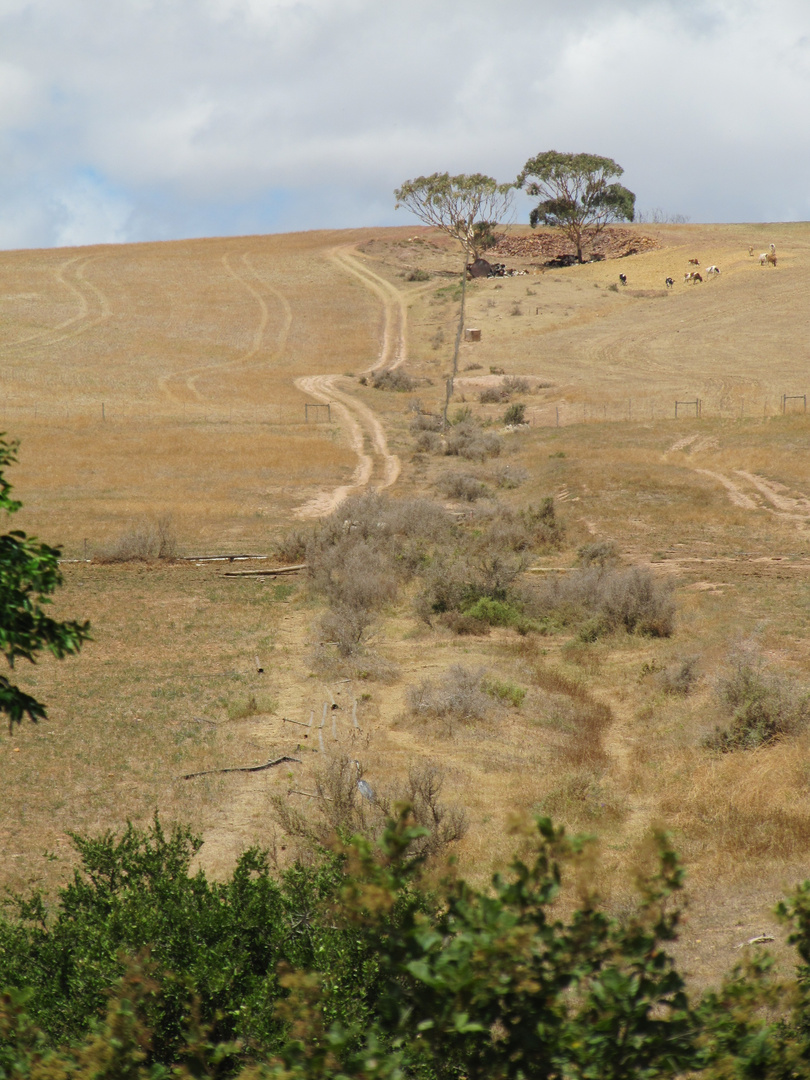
point(366, 433)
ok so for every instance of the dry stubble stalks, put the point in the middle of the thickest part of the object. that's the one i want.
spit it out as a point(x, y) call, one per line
point(143, 542)
point(339, 809)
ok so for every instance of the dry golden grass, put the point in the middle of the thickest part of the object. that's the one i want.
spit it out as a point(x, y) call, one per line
point(193, 349)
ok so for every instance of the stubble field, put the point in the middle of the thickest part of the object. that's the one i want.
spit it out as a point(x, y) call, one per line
point(161, 379)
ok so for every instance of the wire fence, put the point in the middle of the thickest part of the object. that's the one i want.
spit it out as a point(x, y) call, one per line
point(561, 413)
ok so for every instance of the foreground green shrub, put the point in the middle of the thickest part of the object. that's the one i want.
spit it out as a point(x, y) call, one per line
point(503, 982)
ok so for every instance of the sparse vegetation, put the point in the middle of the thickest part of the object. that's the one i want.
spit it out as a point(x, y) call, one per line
point(605, 599)
point(394, 379)
point(515, 414)
point(144, 541)
point(763, 706)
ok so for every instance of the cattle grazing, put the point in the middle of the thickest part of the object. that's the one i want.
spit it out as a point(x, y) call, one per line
point(712, 269)
point(692, 276)
point(771, 259)
point(623, 278)
point(694, 262)
point(669, 282)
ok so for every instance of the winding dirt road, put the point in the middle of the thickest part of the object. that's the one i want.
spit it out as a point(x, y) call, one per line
point(366, 433)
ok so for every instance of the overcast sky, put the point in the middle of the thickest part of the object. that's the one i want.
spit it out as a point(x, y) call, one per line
point(158, 119)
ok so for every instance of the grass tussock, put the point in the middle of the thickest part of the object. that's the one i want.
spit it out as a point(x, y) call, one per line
point(747, 806)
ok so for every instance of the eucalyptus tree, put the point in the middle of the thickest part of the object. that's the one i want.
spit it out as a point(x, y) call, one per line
point(465, 207)
point(578, 194)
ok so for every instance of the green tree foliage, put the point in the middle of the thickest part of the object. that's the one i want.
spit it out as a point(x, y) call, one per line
point(576, 193)
point(354, 969)
point(466, 207)
point(29, 574)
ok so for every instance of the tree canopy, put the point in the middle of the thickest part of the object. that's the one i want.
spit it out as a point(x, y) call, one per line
point(29, 574)
point(461, 206)
point(577, 194)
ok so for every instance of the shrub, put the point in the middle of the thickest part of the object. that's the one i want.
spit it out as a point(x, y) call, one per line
point(510, 476)
point(603, 553)
point(493, 395)
point(426, 422)
point(514, 384)
point(429, 442)
point(417, 275)
point(467, 439)
point(464, 624)
point(143, 542)
point(515, 414)
point(679, 680)
point(462, 486)
point(506, 692)
point(457, 695)
point(607, 599)
point(764, 706)
point(494, 612)
point(394, 379)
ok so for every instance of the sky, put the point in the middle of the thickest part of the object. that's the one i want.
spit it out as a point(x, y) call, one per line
point(133, 120)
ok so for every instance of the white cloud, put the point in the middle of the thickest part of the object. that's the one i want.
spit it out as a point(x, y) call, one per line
point(209, 115)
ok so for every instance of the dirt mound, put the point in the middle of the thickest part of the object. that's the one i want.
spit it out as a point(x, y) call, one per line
point(548, 245)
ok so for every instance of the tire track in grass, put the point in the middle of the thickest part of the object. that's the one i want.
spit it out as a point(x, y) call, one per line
point(188, 377)
point(84, 292)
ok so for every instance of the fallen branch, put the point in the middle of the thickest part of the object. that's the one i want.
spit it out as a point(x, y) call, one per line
point(310, 794)
point(273, 572)
point(241, 768)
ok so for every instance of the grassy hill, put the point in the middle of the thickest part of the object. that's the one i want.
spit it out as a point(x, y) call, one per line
point(171, 379)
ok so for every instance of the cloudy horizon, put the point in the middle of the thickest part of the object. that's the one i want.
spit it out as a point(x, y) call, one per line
point(169, 119)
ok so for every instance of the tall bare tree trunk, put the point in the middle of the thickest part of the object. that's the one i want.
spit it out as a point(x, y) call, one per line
point(459, 331)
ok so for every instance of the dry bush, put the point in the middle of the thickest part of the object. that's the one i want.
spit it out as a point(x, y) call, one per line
point(462, 486)
point(494, 395)
point(602, 553)
point(532, 528)
point(142, 542)
point(455, 696)
point(680, 678)
point(468, 440)
point(607, 599)
point(429, 442)
point(509, 477)
point(446, 825)
point(762, 706)
point(396, 379)
point(349, 628)
point(291, 549)
point(514, 384)
point(426, 422)
point(464, 625)
point(339, 808)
